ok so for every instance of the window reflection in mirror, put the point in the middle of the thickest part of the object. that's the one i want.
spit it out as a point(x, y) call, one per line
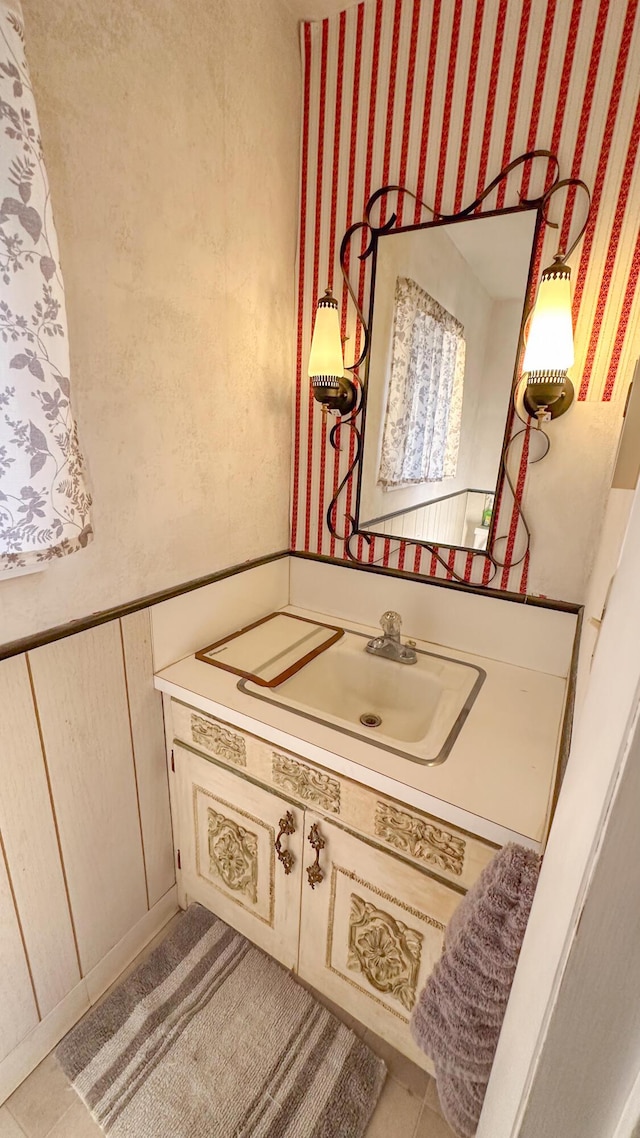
point(445, 326)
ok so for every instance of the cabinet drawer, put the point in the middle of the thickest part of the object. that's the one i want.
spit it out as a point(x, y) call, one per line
point(227, 835)
point(209, 735)
point(269, 764)
point(428, 841)
point(371, 931)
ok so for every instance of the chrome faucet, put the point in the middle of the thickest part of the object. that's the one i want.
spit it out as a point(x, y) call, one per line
point(389, 644)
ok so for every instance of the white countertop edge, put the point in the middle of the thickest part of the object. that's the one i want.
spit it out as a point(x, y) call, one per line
point(474, 823)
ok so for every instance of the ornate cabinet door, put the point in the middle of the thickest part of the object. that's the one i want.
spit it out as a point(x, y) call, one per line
point(240, 853)
point(372, 928)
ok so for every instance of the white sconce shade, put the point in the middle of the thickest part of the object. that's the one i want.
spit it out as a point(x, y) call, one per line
point(549, 351)
point(545, 391)
point(325, 357)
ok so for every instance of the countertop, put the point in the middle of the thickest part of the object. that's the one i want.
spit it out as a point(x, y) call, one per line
point(497, 781)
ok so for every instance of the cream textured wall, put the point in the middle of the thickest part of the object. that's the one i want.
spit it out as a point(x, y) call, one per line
point(171, 135)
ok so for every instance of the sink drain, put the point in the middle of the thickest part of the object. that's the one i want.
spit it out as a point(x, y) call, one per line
point(370, 720)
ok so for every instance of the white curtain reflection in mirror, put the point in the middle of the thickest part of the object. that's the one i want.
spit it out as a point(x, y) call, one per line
point(421, 435)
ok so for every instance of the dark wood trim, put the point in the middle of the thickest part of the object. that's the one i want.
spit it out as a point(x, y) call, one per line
point(476, 590)
point(338, 633)
point(28, 643)
point(60, 631)
point(569, 711)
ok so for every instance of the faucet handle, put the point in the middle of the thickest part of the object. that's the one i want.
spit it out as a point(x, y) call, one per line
point(390, 623)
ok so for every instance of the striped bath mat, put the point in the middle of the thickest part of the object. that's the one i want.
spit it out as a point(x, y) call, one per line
point(211, 1038)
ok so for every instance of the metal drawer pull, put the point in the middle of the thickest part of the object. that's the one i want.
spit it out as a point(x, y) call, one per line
point(287, 826)
point(317, 842)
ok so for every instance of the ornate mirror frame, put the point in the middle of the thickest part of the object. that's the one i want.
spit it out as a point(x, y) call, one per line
point(356, 421)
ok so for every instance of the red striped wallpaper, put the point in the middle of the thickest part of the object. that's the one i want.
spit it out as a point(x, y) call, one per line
point(439, 95)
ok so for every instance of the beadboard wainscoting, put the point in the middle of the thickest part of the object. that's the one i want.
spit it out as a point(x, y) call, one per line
point(86, 855)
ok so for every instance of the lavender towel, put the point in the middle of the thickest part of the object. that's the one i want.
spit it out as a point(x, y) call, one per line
point(459, 1014)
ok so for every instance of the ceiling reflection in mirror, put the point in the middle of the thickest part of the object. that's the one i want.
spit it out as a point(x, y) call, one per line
point(445, 326)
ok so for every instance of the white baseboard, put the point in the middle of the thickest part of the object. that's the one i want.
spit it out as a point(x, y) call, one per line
point(114, 963)
point(629, 1124)
point(31, 1050)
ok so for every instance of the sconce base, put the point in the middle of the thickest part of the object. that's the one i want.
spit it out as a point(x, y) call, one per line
point(336, 393)
point(527, 407)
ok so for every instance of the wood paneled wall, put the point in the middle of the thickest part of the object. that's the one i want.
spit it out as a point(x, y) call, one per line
point(86, 854)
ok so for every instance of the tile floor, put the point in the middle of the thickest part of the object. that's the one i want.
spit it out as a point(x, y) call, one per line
point(46, 1106)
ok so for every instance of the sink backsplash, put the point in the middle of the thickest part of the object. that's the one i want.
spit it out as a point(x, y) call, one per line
point(527, 635)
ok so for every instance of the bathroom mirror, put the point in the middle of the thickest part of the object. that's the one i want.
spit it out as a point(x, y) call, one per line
point(446, 313)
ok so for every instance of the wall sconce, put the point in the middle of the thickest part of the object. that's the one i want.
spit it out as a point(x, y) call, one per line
point(546, 391)
point(331, 387)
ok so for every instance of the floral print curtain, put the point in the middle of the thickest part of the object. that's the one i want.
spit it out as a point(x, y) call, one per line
point(44, 503)
point(421, 436)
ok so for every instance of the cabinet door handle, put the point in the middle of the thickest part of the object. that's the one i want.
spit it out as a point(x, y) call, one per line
point(287, 826)
point(317, 842)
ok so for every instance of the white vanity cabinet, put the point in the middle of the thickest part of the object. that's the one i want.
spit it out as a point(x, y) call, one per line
point(350, 890)
point(240, 853)
point(371, 931)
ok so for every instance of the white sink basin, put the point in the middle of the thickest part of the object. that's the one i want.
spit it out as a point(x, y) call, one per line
point(421, 707)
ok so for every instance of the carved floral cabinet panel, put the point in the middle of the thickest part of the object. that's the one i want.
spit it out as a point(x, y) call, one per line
point(371, 930)
point(240, 853)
